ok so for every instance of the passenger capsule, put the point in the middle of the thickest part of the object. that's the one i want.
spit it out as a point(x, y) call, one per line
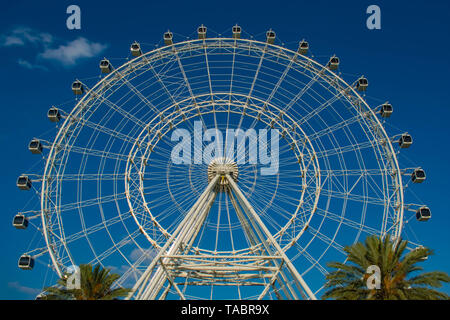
point(41, 296)
point(20, 221)
point(333, 64)
point(362, 84)
point(24, 183)
point(423, 214)
point(105, 66)
point(303, 47)
point(237, 32)
point(135, 49)
point(201, 32)
point(35, 146)
point(270, 36)
point(168, 38)
point(386, 110)
point(77, 87)
point(418, 176)
point(405, 141)
point(53, 114)
point(26, 262)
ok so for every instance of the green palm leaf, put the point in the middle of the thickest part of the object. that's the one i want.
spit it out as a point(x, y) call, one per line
point(96, 283)
point(349, 281)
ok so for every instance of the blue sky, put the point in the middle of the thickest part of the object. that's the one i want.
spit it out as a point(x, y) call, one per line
point(406, 62)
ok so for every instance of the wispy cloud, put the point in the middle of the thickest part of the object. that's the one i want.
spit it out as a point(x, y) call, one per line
point(21, 36)
point(139, 257)
point(119, 270)
point(146, 255)
point(29, 65)
point(70, 53)
point(27, 290)
point(47, 48)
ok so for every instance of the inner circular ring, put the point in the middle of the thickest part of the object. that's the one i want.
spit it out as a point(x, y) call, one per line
point(185, 110)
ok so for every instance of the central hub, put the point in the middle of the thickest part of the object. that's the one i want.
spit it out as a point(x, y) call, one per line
point(222, 167)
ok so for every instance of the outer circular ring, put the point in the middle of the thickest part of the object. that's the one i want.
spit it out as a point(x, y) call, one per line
point(48, 208)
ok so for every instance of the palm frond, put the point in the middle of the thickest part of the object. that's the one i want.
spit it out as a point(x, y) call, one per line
point(348, 281)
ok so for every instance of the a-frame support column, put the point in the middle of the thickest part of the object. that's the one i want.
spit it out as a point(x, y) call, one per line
point(157, 279)
point(244, 202)
point(173, 242)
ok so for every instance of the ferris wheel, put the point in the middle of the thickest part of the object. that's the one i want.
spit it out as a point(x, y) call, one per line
point(144, 176)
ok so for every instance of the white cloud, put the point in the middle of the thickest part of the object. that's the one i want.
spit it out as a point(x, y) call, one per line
point(12, 41)
point(27, 290)
point(46, 47)
point(29, 65)
point(69, 54)
point(119, 270)
point(21, 36)
point(146, 255)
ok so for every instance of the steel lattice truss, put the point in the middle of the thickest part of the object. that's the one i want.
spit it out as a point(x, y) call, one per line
point(109, 193)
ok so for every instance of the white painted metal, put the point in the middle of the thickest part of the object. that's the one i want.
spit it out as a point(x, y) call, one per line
point(345, 163)
point(170, 258)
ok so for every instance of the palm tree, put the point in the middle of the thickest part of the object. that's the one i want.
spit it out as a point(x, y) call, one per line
point(95, 284)
point(349, 281)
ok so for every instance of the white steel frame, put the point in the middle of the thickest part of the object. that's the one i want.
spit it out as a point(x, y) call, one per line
point(166, 111)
